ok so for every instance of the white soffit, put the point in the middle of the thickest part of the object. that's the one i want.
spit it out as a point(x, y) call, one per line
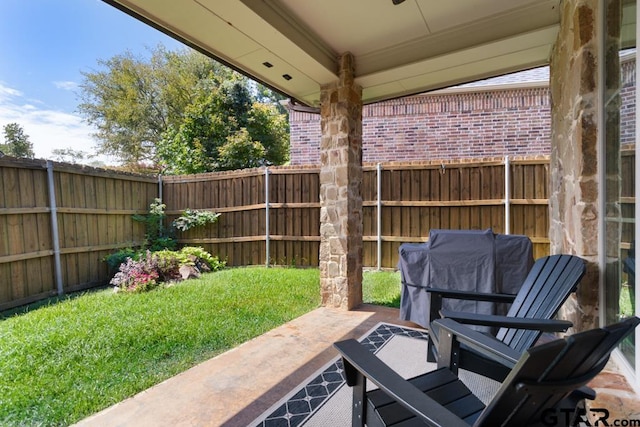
point(399, 49)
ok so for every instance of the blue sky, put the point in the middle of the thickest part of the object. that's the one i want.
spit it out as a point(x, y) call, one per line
point(44, 46)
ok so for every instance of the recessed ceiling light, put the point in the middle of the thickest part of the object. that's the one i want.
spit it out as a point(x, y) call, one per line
point(267, 64)
point(286, 77)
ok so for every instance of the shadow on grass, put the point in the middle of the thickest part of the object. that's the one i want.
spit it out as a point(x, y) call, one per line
point(48, 302)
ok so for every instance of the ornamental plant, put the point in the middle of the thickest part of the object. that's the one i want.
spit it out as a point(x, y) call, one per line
point(192, 218)
point(197, 252)
point(137, 276)
point(147, 270)
point(155, 238)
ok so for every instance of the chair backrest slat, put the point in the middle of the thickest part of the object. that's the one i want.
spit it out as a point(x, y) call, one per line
point(548, 285)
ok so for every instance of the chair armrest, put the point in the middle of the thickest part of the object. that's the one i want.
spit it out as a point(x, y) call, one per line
point(358, 358)
point(584, 392)
point(544, 325)
point(471, 295)
point(484, 344)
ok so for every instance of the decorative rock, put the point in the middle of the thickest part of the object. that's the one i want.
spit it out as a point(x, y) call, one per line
point(189, 272)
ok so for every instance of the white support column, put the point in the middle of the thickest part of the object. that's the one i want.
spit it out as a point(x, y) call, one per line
point(507, 196)
point(266, 216)
point(379, 213)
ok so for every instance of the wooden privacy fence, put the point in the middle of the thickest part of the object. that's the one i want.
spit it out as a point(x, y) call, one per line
point(268, 216)
point(272, 216)
point(58, 221)
point(402, 203)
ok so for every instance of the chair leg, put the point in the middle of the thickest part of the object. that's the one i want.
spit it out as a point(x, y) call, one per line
point(435, 305)
point(448, 351)
point(358, 383)
point(431, 351)
point(358, 413)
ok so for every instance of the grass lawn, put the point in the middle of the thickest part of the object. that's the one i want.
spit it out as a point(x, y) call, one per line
point(381, 288)
point(67, 360)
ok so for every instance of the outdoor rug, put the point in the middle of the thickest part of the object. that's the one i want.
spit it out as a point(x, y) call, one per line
point(325, 400)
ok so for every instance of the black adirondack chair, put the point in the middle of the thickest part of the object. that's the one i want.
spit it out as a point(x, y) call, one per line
point(544, 387)
point(547, 286)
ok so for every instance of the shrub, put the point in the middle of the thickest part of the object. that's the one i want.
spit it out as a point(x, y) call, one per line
point(162, 243)
point(145, 272)
point(155, 240)
point(169, 263)
point(212, 262)
point(115, 259)
point(191, 218)
point(137, 275)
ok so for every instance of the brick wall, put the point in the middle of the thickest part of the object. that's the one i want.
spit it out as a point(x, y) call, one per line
point(628, 109)
point(470, 123)
point(480, 120)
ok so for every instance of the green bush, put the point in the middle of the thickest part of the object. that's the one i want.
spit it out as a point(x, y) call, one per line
point(155, 238)
point(143, 271)
point(115, 259)
point(139, 270)
point(191, 218)
point(214, 263)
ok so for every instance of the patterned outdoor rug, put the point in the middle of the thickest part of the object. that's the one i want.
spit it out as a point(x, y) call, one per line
point(325, 400)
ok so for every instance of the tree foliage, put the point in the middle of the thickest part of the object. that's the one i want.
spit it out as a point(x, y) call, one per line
point(223, 129)
point(178, 109)
point(16, 142)
point(69, 155)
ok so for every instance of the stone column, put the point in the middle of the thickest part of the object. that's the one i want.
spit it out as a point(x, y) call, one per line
point(575, 187)
point(340, 197)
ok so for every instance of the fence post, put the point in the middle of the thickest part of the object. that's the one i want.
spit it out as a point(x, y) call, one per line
point(54, 229)
point(266, 215)
point(160, 197)
point(379, 212)
point(507, 196)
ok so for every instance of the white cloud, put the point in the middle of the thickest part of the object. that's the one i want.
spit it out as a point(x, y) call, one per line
point(7, 92)
point(66, 85)
point(47, 129)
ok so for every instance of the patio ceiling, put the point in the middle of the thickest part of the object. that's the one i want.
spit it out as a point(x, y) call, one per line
point(400, 49)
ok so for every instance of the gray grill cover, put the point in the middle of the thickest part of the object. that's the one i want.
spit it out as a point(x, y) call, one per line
point(463, 260)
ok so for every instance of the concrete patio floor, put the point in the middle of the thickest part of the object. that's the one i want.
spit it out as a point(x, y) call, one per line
point(235, 387)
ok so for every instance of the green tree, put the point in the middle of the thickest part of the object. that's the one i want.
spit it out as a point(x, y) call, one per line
point(269, 126)
point(17, 143)
point(240, 151)
point(225, 128)
point(176, 109)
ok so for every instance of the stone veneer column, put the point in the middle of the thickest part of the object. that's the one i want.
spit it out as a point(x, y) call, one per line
point(340, 197)
point(575, 188)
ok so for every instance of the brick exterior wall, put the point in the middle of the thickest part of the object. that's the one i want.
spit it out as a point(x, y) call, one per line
point(628, 99)
point(468, 122)
point(471, 123)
